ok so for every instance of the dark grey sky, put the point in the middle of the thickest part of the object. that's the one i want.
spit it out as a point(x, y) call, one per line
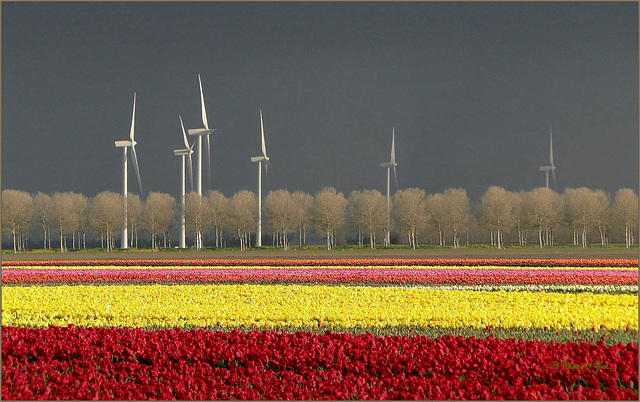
point(471, 89)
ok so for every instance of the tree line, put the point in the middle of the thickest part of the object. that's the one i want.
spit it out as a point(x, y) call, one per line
point(412, 217)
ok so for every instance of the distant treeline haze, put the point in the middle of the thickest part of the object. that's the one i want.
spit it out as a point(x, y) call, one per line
point(540, 216)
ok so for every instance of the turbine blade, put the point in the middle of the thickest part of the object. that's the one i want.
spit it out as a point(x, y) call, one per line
point(208, 158)
point(135, 167)
point(393, 146)
point(133, 118)
point(204, 111)
point(555, 183)
point(395, 175)
point(190, 172)
point(267, 165)
point(184, 133)
point(264, 147)
point(550, 146)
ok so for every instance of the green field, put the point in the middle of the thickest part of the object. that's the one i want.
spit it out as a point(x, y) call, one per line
point(321, 252)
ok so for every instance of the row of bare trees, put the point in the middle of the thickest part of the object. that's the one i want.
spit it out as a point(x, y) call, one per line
point(412, 215)
point(543, 210)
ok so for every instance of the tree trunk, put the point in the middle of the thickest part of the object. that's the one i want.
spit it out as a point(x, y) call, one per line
point(601, 234)
point(540, 236)
point(300, 235)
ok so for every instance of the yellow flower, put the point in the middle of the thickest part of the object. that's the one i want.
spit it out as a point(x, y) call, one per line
point(280, 305)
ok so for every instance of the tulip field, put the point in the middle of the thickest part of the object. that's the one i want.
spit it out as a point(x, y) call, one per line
point(320, 329)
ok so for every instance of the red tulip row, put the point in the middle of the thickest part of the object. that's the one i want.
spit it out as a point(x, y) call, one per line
point(117, 363)
point(528, 262)
point(324, 275)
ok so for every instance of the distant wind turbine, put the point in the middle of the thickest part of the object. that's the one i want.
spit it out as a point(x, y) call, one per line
point(260, 159)
point(391, 164)
point(187, 151)
point(200, 132)
point(551, 167)
point(130, 143)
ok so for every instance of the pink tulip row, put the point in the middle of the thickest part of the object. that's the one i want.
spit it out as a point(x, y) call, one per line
point(325, 275)
point(519, 262)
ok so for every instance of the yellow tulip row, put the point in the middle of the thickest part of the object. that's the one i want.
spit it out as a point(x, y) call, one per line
point(291, 305)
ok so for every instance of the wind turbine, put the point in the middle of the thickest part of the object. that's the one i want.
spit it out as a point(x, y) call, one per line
point(130, 143)
point(187, 151)
point(200, 132)
point(391, 164)
point(260, 159)
point(551, 167)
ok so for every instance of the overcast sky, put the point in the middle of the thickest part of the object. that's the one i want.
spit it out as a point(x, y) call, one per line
point(471, 89)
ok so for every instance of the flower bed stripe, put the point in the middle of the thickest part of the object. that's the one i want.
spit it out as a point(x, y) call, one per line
point(529, 262)
point(125, 364)
point(325, 275)
point(310, 267)
point(277, 305)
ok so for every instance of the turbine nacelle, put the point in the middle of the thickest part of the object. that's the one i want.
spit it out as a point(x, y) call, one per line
point(126, 143)
point(543, 168)
point(182, 152)
point(200, 131)
point(388, 164)
point(259, 158)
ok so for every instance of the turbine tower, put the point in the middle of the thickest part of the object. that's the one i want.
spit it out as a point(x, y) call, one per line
point(187, 151)
point(551, 168)
point(130, 143)
point(200, 132)
point(391, 164)
point(260, 159)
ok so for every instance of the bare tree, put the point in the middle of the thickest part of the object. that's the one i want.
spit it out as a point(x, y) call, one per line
point(43, 214)
point(134, 212)
point(543, 208)
point(302, 203)
point(571, 215)
point(371, 213)
point(79, 216)
point(197, 214)
point(456, 207)
point(625, 213)
point(436, 215)
point(157, 216)
point(410, 212)
point(354, 220)
point(602, 215)
point(518, 206)
point(62, 216)
point(280, 211)
point(497, 213)
point(105, 216)
point(242, 215)
point(17, 216)
point(217, 204)
point(583, 207)
point(328, 213)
